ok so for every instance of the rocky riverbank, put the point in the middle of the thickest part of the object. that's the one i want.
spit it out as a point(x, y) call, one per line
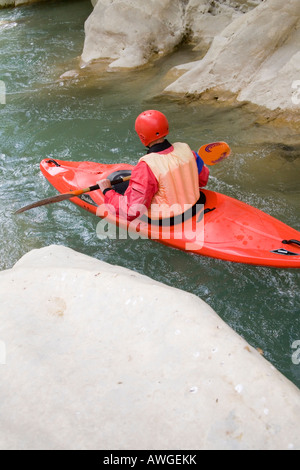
point(250, 49)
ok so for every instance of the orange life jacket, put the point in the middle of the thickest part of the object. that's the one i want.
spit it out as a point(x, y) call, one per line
point(177, 176)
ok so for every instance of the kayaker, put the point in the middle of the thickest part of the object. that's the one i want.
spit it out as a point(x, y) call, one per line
point(168, 175)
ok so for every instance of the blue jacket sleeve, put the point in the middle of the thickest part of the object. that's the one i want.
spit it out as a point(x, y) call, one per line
point(199, 162)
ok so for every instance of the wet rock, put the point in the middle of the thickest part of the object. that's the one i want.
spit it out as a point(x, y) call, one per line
point(251, 48)
point(255, 58)
point(128, 33)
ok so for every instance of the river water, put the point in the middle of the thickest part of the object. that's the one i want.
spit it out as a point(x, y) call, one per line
point(91, 117)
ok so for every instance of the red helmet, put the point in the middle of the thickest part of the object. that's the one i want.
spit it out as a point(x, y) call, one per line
point(151, 125)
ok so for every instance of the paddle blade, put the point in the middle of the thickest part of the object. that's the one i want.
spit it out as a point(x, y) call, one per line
point(49, 200)
point(65, 196)
point(214, 153)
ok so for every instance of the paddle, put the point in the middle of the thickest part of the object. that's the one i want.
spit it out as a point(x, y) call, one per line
point(210, 153)
point(69, 195)
point(214, 153)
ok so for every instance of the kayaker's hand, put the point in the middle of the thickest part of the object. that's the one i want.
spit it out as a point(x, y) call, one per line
point(104, 184)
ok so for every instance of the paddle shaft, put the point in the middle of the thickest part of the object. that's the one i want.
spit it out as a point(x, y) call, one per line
point(96, 186)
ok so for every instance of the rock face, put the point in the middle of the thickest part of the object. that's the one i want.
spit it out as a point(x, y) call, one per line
point(256, 58)
point(130, 32)
point(94, 356)
point(253, 46)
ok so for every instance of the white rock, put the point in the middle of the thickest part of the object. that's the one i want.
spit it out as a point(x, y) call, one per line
point(205, 19)
point(256, 57)
point(69, 74)
point(129, 32)
point(82, 368)
point(253, 54)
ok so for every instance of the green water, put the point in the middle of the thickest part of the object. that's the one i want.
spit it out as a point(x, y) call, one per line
point(91, 117)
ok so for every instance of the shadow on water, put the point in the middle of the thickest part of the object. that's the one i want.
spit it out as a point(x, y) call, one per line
point(90, 116)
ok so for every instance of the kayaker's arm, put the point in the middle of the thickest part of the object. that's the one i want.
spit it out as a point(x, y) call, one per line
point(104, 185)
point(203, 177)
point(139, 194)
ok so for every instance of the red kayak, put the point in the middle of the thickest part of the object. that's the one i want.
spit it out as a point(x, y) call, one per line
point(218, 226)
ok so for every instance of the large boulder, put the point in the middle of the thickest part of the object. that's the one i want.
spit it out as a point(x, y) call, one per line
point(130, 32)
point(256, 58)
point(251, 48)
point(94, 356)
